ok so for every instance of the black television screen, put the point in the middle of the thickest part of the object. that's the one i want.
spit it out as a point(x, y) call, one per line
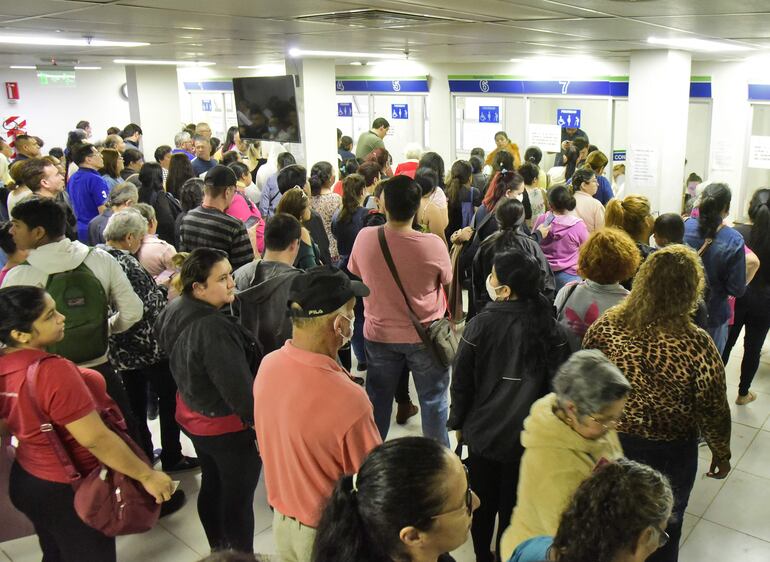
point(267, 108)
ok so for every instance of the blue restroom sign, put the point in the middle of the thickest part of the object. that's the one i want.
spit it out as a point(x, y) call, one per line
point(344, 110)
point(399, 111)
point(206, 105)
point(568, 118)
point(489, 114)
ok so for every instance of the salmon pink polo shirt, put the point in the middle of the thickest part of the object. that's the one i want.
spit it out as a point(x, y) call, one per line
point(423, 265)
point(313, 425)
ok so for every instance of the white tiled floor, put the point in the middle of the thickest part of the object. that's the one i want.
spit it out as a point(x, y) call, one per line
point(726, 520)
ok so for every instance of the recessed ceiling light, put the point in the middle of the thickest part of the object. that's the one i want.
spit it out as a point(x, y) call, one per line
point(35, 40)
point(163, 62)
point(88, 68)
point(356, 63)
point(344, 54)
point(22, 67)
point(695, 44)
point(192, 28)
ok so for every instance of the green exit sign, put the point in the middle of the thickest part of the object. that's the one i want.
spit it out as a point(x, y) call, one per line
point(64, 78)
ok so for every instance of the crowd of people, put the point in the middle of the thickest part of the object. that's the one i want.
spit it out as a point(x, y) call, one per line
point(225, 288)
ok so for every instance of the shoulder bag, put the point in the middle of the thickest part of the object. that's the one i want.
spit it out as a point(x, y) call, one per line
point(106, 500)
point(439, 338)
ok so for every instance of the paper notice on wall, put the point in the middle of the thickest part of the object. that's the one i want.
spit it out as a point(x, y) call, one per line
point(643, 164)
point(759, 152)
point(722, 156)
point(545, 137)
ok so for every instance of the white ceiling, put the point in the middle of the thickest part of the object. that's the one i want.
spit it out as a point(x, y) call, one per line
point(244, 32)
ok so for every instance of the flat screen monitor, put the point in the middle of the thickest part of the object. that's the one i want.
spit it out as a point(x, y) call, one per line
point(267, 108)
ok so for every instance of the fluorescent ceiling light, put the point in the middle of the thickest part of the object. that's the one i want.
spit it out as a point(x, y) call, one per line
point(274, 67)
point(164, 62)
point(21, 67)
point(88, 68)
point(694, 44)
point(344, 54)
point(36, 40)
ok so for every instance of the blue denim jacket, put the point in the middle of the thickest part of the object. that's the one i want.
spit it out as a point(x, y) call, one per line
point(725, 265)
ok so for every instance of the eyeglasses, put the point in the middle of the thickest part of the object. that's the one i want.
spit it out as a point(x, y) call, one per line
point(663, 536)
point(607, 424)
point(468, 499)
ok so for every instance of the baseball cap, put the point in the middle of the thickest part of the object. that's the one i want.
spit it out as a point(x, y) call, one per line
point(322, 290)
point(220, 176)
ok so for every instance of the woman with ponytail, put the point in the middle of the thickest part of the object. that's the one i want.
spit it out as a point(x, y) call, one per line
point(462, 198)
point(508, 354)
point(324, 201)
point(410, 500)
point(534, 155)
point(640, 499)
point(752, 310)
point(721, 249)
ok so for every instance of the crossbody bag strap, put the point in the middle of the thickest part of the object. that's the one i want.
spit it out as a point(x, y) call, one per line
point(46, 426)
point(566, 300)
point(392, 267)
point(708, 241)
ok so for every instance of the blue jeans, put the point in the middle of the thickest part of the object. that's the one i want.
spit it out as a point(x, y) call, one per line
point(561, 278)
point(357, 341)
point(386, 362)
point(719, 335)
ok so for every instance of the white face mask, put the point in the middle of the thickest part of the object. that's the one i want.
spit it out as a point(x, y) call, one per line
point(491, 289)
point(346, 338)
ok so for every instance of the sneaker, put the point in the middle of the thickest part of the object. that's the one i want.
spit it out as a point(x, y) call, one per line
point(174, 504)
point(186, 463)
point(405, 411)
point(743, 400)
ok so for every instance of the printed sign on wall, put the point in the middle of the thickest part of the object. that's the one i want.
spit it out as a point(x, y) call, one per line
point(399, 111)
point(489, 114)
point(344, 110)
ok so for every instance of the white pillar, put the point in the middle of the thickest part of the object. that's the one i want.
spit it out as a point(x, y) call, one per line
point(153, 104)
point(440, 127)
point(658, 104)
point(730, 115)
point(317, 108)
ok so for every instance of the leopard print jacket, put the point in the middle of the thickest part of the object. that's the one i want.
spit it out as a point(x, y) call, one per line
point(678, 383)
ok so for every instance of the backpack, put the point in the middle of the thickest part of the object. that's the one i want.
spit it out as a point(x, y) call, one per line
point(467, 210)
point(80, 297)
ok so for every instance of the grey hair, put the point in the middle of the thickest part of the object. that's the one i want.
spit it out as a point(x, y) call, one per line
point(181, 137)
point(413, 151)
point(146, 210)
point(590, 381)
point(124, 223)
point(123, 193)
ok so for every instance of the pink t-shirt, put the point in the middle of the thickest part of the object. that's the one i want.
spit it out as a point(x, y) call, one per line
point(313, 425)
point(423, 264)
point(249, 214)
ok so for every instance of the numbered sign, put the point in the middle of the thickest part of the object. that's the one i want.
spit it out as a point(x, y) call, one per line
point(344, 110)
point(568, 118)
point(489, 114)
point(206, 105)
point(399, 111)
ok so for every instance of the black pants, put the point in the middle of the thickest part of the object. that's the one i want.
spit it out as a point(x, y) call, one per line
point(62, 534)
point(678, 460)
point(230, 467)
point(117, 392)
point(495, 484)
point(752, 310)
point(159, 378)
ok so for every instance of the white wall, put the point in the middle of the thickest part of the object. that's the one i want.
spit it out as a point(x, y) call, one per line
point(51, 111)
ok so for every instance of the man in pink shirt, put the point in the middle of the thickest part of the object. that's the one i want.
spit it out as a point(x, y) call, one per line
point(313, 423)
point(423, 264)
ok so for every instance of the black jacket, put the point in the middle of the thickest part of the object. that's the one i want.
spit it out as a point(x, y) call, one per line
point(495, 381)
point(318, 233)
point(213, 359)
point(482, 263)
point(262, 303)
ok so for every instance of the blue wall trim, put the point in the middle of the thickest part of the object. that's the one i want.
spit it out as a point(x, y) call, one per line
point(394, 86)
point(759, 91)
point(555, 87)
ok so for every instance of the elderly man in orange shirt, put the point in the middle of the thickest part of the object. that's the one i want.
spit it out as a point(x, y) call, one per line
point(313, 423)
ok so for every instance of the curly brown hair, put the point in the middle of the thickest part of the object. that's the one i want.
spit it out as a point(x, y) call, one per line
point(610, 510)
point(294, 202)
point(608, 256)
point(666, 291)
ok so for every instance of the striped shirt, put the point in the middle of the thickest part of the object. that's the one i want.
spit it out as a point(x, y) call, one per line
point(204, 227)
